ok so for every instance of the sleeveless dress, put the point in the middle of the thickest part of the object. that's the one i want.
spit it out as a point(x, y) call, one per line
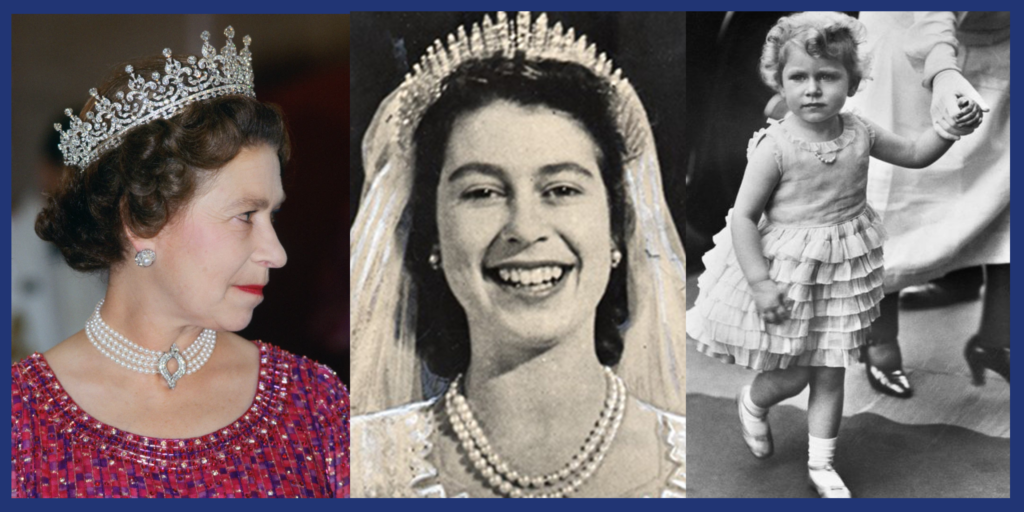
point(821, 239)
point(393, 454)
point(292, 443)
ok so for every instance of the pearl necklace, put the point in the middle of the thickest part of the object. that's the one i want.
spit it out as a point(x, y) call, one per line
point(824, 159)
point(558, 484)
point(124, 352)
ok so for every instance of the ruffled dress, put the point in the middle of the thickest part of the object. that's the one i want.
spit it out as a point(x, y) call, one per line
point(821, 239)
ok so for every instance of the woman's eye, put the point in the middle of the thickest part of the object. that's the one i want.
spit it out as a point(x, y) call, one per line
point(247, 216)
point(273, 216)
point(481, 193)
point(563, 191)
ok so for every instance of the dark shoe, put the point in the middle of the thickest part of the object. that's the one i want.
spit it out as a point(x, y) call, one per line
point(938, 294)
point(894, 383)
point(980, 357)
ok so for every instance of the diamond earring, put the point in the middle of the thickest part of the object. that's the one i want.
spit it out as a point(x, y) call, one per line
point(145, 257)
point(616, 258)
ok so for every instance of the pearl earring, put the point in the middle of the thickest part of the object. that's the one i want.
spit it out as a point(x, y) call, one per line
point(616, 258)
point(145, 257)
point(435, 258)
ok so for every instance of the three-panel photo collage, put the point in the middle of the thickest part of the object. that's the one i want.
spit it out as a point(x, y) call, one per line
point(591, 255)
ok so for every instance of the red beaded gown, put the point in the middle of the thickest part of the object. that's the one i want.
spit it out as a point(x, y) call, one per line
point(292, 443)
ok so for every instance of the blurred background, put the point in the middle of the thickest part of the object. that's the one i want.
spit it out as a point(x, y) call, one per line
point(300, 62)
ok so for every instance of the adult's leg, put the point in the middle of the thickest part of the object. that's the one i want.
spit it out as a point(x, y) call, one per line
point(995, 314)
point(990, 348)
point(884, 351)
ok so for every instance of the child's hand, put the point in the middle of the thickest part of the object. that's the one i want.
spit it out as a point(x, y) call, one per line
point(970, 115)
point(770, 299)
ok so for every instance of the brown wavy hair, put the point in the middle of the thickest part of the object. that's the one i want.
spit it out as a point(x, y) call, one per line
point(145, 181)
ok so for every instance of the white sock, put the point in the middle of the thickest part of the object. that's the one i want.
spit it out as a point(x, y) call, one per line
point(751, 407)
point(820, 452)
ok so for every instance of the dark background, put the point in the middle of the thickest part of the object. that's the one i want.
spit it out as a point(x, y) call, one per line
point(725, 106)
point(300, 62)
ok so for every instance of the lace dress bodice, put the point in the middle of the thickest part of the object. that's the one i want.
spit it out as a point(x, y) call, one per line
point(393, 454)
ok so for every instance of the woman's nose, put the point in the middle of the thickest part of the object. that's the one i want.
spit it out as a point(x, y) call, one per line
point(526, 223)
point(270, 252)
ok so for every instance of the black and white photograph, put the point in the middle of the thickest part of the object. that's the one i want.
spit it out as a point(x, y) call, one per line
point(517, 275)
point(848, 250)
point(177, 304)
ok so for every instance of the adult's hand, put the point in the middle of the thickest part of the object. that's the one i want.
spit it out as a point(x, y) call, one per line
point(947, 89)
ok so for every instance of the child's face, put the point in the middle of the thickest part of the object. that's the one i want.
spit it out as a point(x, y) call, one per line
point(815, 88)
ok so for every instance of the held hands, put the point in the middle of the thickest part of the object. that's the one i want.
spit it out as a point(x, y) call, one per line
point(957, 108)
point(771, 301)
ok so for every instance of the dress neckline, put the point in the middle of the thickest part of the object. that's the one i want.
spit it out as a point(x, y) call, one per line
point(844, 139)
point(249, 429)
point(425, 482)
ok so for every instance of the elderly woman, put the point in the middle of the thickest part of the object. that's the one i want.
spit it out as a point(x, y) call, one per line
point(176, 179)
point(534, 264)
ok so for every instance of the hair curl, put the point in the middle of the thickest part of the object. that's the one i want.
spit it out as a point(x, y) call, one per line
point(442, 328)
point(831, 35)
point(144, 182)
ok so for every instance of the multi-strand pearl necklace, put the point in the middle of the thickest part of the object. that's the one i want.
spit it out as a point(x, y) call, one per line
point(124, 352)
point(558, 484)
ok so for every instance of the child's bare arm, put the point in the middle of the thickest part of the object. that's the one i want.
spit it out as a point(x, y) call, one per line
point(759, 181)
point(905, 152)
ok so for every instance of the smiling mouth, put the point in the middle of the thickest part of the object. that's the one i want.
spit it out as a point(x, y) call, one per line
point(530, 279)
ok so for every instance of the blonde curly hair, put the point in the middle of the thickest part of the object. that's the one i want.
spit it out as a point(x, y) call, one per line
point(831, 35)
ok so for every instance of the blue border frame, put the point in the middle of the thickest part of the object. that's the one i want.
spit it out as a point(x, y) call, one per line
point(325, 6)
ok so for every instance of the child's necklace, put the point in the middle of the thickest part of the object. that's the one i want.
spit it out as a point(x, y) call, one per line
point(825, 152)
point(826, 158)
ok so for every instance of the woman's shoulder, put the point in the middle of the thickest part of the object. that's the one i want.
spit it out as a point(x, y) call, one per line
point(391, 450)
point(671, 430)
point(408, 415)
point(29, 378)
point(301, 373)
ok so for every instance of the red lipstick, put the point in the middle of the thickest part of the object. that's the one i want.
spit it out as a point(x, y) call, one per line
point(255, 289)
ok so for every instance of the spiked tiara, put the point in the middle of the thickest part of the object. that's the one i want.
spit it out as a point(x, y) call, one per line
point(158, 97)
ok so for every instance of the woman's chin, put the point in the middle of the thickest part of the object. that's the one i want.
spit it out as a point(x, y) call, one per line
point(235, 322)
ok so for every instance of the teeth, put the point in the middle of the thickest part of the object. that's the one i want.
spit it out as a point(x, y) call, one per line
point(531, 277)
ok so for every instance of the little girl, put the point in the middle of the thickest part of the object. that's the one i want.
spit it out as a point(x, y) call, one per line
point(795, 278)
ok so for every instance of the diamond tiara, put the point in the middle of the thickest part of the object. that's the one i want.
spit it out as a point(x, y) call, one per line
point(160, 97)
point(506, 37)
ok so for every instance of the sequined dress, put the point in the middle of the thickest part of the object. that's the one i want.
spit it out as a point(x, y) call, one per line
point(821, 239)
point(293, 442)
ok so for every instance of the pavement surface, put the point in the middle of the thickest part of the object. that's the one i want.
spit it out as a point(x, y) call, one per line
point(950, 440)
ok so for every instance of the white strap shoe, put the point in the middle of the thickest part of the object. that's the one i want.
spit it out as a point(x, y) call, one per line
point(756, 431)
point(827, 482)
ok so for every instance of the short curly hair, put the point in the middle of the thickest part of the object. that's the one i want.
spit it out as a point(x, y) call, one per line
point(145, 181)
point(821, 34)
